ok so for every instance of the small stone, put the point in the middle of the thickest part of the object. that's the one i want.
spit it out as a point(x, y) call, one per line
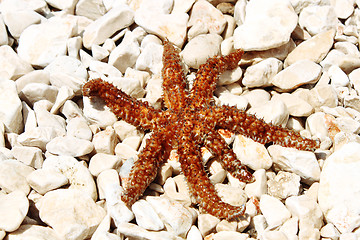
point(45, 180)
point(116, 208)
point(229, 77)
point(273, 111)
point(251, 153)
point(274, 211)
point(308, 212)
point(98, 113)
point(233, 195)
point(104, 70)
point(28, 232)
point(91, 9)
point(146, 216)
point(200, 48)
point(34, 92)
point(259, 187)
point(105, 141)
point(172, 26)
point(13, 176)
point(296, 106)
point(11, 65)
point(194, 234)
point(303, 163)
point(207, 223)
point(316, 19)
point(72, 214)
point(124, 151)
point(177, 189)
point(338, 77)
point(79, 176)
point(205, 13)
point(257, 97)
point(10, 106)
point(274, 235)
point(179, 218)
point(300, 73)
point(40, 44)
point(78, 127)
point(65, 93)
point(314, 49)
point(105, 179)
point(13, 209)
point(291, 227)
point(329, 231)
point(343, 9)
point(101, 162)
point(18, 21)
point(104, 27)
point(284, 185)
point(70, 146)
point(261, 29)
point(68, 71)
point(73, 46)
point(322, 95)
point(337, 193)
point(30, 156)
point(260, 74)
point(37, 137)
point(126, 54)
point(150, 58)
point(3, 41)
point(229, 99)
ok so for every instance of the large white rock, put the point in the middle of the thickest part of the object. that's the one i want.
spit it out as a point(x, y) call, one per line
point(44, 180)
point(71, 213)
point(338, 191)
point(40, 44)
point(13, 209)
point(11, 65)
point(262, 29)
point(146, 216)
point(79, 176)
point(274, 211)
point(17, 21)
point(69, 146)
point(29, 232)
point(104, 27)
point(10, 106)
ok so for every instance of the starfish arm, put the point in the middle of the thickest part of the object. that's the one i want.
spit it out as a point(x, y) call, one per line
point(122, 105)
point(207, 76)
point(199, 183)
point(248, 125)
point(218, 147)
point(174, 84)
point(145, 169)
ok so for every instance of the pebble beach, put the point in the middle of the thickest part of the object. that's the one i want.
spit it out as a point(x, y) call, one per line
point(65, 158)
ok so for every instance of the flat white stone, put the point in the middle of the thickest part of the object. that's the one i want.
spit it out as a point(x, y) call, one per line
point(28, 232)
point(13, 176)
point(262, 29)
point(37, 137)
point(260, 74)
point(40, 44)
point(98, 113)
point(102, 161)
point(205, 13)
point(274, 211)
point(303, 163)
point(257, 97)
point(72, 214)
point(79, 176)
point(251, 153)
point(150, 58)
point(10, 106)
point(172, 26)
point(105, 141)
point(36, 5)
point(235, 196)
point(207, 223)
point(200, 48)
point(316, 19)
point(146, 216)
point(296, 106)
point(300, 73)
point(229, 77)
point(3, 33)
point(314, 49)
point(174, 214)
point(176, 188)
point(223, 235)
point(104, 27)
point(259, 187)
point(70, 146)
point(104, 70)
point(343, 9)
point(45, 180)
point(337, 193)
point(31, 156)
point(36, 76)
point(229, 99)
point(338, 77)
point(13, 209)
point(273, 111)
point(194, 234)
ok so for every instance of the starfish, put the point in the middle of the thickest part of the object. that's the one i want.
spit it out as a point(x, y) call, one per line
point(189, 120)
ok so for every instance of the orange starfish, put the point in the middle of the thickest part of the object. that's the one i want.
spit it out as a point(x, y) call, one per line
point(190, 121)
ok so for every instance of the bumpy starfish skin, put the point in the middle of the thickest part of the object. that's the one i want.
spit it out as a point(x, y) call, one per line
point(190, 121)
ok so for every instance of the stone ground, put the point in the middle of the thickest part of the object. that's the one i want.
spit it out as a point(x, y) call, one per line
point(64, 158)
